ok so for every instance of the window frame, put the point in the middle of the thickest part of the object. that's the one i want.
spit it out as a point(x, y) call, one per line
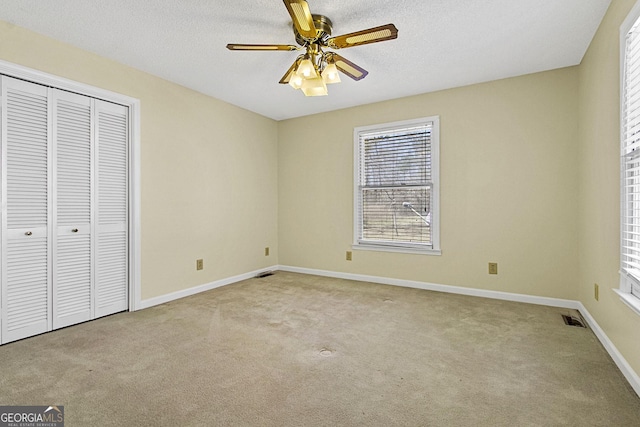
point(627, 281)
point(402, 247)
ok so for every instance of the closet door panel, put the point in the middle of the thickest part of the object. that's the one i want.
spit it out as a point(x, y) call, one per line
point(64, 195)
point(112, 273)
point(72, 248)
point(26, 269)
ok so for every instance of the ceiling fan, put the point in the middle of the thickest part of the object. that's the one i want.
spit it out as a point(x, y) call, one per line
point(313, 70)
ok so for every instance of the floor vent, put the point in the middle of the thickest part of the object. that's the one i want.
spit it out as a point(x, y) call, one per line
point(573, 321)
point(264, 274)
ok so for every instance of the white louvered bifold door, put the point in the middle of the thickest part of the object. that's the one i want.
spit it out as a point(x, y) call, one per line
point(72, 252)
point(26, 273)
point(112, 136)
point(64, 195)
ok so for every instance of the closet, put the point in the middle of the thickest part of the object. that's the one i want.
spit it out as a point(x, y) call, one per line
point(64, 195)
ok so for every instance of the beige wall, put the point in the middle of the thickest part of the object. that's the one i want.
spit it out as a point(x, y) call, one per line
point(209, 169)
point(599, 202)
point(509, 187)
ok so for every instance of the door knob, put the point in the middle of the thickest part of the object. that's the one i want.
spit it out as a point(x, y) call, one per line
point(28, 233)
point(74, 230)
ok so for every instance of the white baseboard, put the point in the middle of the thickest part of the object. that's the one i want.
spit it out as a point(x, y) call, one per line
point(553, 302)
point(201, 288)
point(618, 358)
point(626, 369)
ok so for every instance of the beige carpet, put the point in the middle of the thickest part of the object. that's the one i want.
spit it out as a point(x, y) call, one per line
point(297, 350)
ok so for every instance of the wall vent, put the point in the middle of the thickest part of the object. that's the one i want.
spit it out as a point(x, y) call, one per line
point(264, 274)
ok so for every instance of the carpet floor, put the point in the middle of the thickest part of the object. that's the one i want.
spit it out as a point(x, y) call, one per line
point(301, 350)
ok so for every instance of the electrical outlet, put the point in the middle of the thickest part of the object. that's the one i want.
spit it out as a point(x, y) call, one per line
point(349, 256)
point(493, 268)
point(266, 251)
point(596, 291)
point(199, 264)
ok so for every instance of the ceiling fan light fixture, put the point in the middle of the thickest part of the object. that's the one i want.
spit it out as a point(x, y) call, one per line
point(306, 70)
point(313, 70)
point(314, 87)
point(330, 74)
point(295, 81)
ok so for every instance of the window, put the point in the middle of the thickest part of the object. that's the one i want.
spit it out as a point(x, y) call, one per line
point(630, 161)
point(396, 191)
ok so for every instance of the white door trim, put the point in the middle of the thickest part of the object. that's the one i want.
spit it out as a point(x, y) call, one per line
point(35, 76)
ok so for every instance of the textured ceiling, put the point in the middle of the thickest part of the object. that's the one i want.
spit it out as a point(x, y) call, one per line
point(441, 43)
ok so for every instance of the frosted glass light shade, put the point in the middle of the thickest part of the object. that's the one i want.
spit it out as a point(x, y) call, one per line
point(306, 70)
point(295, 81)
point(330, 74)
point(314, 87)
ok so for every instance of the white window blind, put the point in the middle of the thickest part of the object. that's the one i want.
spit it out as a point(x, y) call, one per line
point(630, 164)
point(396, 185)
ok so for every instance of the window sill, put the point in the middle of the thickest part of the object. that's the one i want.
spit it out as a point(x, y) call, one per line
point(630, 301)
point(397, 249)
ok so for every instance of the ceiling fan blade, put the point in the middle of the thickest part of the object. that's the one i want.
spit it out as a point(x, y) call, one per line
point(349, 68)
point(372, 35)
point(287, 76)
point(232, 46)
point(301, 16)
